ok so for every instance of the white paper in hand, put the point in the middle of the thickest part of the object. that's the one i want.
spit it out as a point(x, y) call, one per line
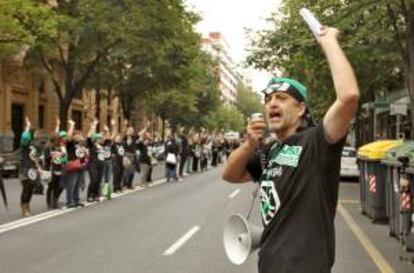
point(312, 22)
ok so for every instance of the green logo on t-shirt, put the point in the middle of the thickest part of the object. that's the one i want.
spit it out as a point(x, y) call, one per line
point(288, 155)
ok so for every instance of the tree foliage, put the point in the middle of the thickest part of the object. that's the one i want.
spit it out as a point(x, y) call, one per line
point(248, 102)
point(368, 31)
point(225, 118)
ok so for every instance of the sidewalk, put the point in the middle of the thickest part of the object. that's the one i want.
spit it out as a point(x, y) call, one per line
point(373, 243)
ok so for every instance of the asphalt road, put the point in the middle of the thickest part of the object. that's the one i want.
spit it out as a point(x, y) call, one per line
point(173, 227)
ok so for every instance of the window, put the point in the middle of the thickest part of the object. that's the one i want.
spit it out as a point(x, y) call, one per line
point(41, 116)
point(77, 117)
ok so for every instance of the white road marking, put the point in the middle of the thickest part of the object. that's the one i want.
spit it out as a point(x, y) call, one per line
point(376, 256)
point(233, 194)
point(53, 213)
point(180, 242)
point(32, 220)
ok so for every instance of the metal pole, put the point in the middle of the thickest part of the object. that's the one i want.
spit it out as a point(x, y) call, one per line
point(398, 126)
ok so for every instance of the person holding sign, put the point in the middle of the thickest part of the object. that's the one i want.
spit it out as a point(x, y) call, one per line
point(299, 173)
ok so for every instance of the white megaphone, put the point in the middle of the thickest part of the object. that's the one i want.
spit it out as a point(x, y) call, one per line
point(240, 238)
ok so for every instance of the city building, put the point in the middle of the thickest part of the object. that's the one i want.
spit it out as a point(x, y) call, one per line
point(30, 93)
point(227, 76)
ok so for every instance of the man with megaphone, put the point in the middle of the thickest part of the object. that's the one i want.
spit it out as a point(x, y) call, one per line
point(298, 173)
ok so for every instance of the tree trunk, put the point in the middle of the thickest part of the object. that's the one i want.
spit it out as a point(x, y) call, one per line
point(410, 64)
point(63, 113)
point(126, 109)
point(163, 128)
point(98, 107)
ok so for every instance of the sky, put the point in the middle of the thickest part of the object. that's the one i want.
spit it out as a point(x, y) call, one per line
point(231, 17)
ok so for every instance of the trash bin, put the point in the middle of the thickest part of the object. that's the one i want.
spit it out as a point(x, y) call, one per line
point(373, 176)
point(393, 193)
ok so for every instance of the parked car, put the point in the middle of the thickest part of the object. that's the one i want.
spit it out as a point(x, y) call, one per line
point(349, 167)
point(11, 164)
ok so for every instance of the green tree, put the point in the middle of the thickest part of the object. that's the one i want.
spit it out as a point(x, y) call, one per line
point(14, 35)
point(368, 32)
point(248, 102)
point(226, 118)
point(86, 32)
point(158, 56)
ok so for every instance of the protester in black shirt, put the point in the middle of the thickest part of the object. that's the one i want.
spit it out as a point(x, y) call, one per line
point(108, 137)
point(183, 154)
point(55, 159)
point(94, 144)
point(214, 152)
point(129, 158)
point(172, 149)
point(144, 158)
point(74, 175)
point(29, 168)
point(299, 174)
point(118, 167)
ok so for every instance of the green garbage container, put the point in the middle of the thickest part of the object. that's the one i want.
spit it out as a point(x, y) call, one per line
point(373, 176)
point(393, 194)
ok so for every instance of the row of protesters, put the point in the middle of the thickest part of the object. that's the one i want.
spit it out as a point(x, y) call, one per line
point(108, 158)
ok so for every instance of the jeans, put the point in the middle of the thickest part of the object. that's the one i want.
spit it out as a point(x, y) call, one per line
point(171, 171)
point(145, 168)
point(189, 164)
point(72, 182)
point(128, 176)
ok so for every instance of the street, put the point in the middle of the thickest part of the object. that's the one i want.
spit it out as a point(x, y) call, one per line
point(170, 227)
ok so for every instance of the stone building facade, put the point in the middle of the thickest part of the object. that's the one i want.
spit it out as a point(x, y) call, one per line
point(31, 93)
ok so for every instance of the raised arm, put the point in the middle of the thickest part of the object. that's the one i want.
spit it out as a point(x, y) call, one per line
point(71, 128)
point(92, 130)
point(339, 116)
point(28, 124)
point(106, 132)
point(140, 134)
point(114, 130)
point(57, 128)
point(26, 136)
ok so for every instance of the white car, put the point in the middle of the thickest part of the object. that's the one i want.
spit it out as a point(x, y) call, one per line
point(349, 167)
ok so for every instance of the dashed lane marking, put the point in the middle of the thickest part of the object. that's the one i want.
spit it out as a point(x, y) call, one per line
point(233, 194)
point(376, 256)
point(180, 242)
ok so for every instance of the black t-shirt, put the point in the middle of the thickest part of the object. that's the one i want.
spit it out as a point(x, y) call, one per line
point(299, 195)
point(118, 151)
point(184, 146)
point(55, 159)
point(96, 152)
point(108, 150)
point(76, 151)
point(30, 154)
point(130, 144)
point(143, 153)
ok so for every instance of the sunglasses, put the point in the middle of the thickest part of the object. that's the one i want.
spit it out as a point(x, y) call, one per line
point(280, 86)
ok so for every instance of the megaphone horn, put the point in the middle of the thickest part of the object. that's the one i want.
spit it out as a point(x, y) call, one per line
point(240, 238)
